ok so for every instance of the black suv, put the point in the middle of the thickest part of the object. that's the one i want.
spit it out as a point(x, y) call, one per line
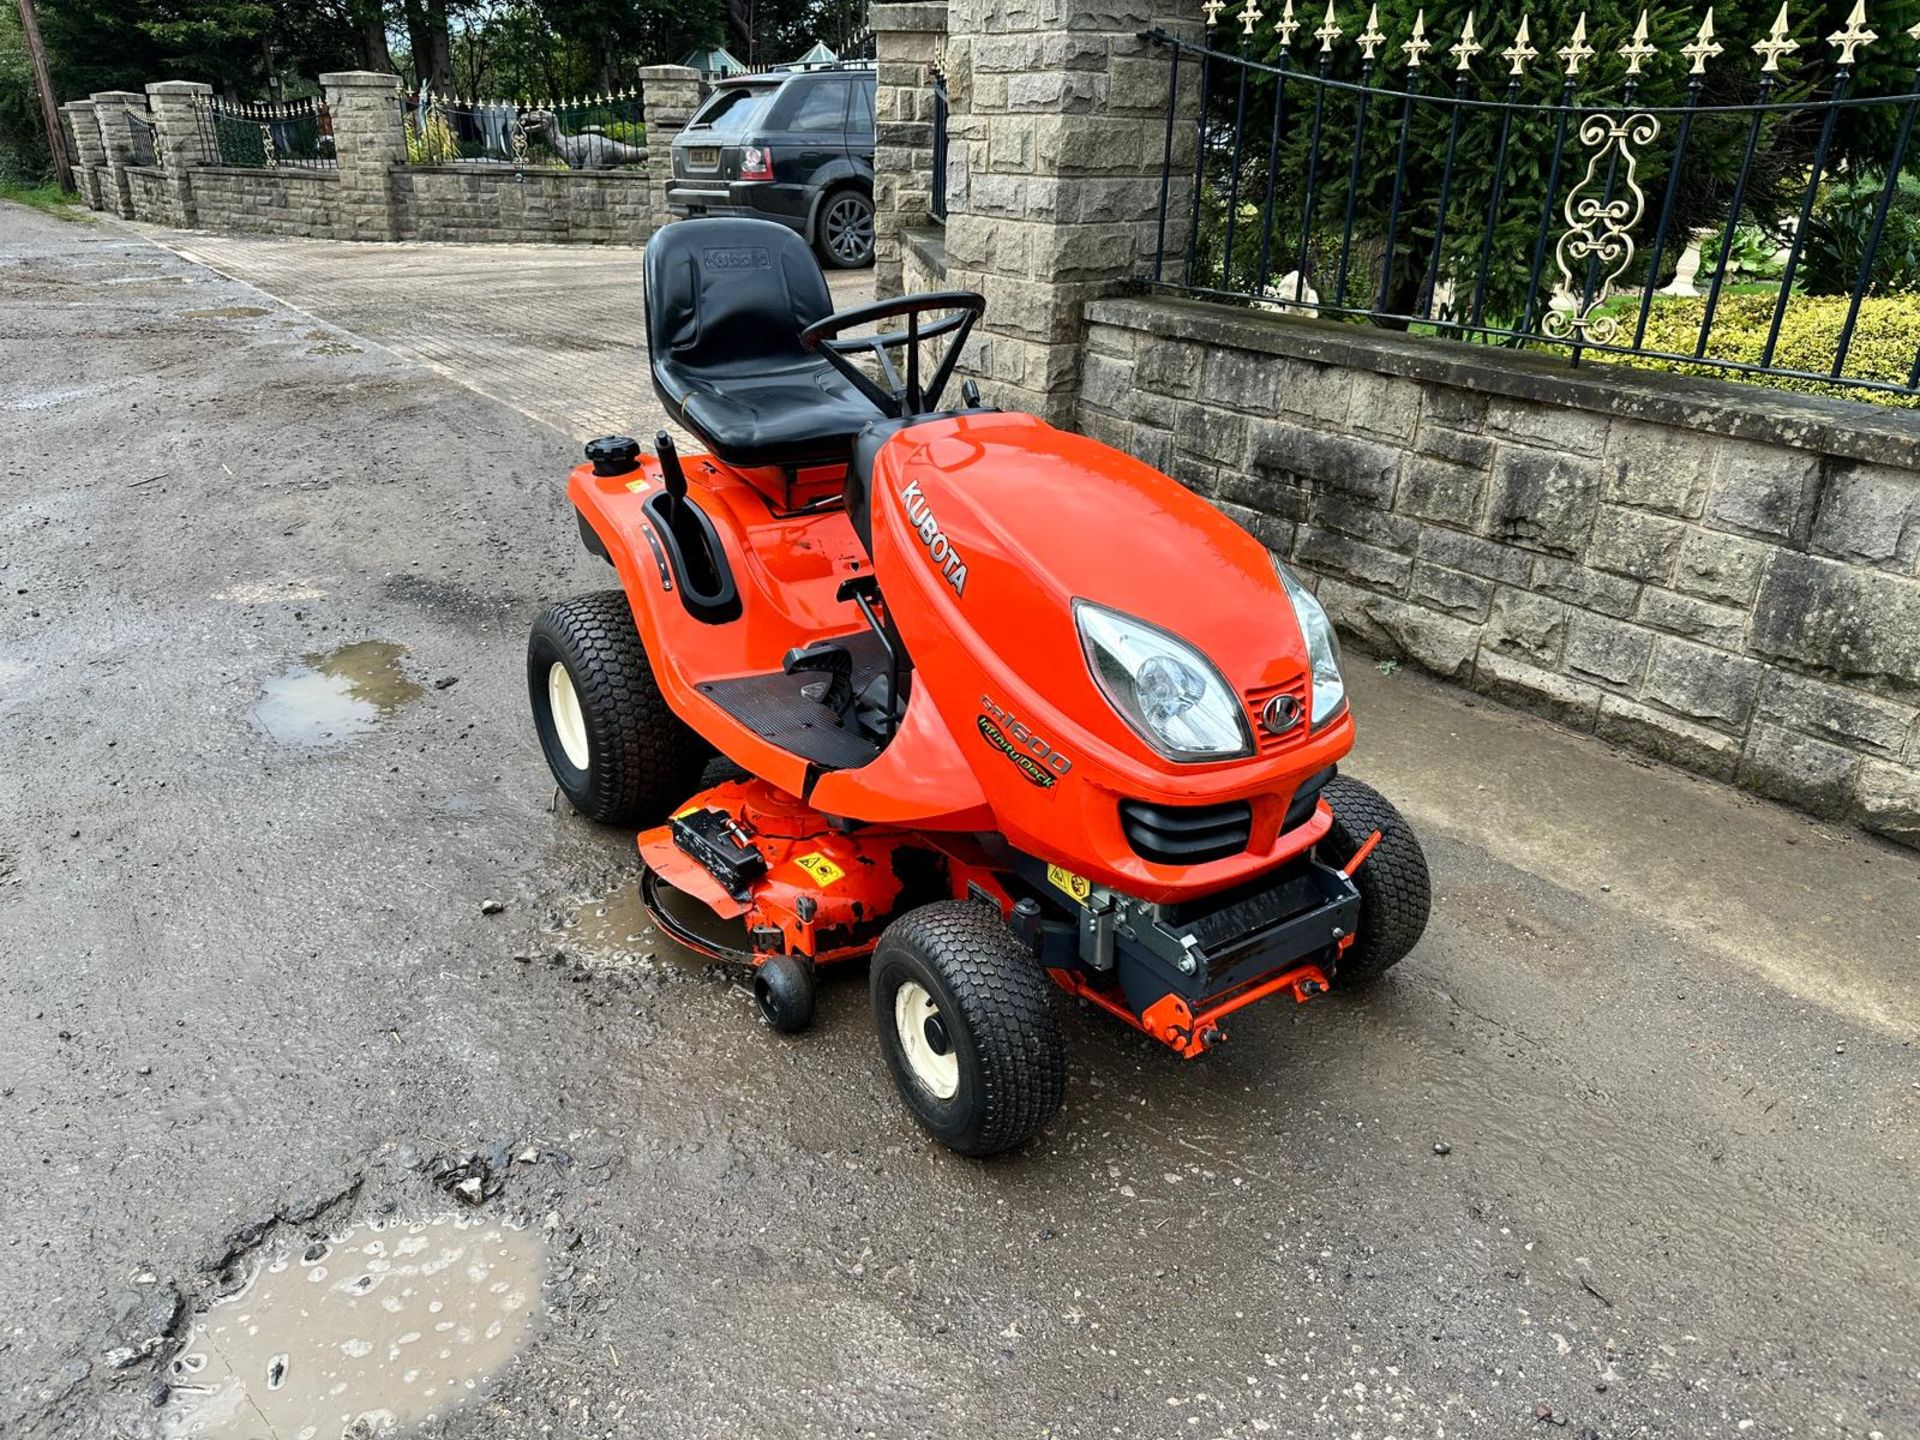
point(794, 146)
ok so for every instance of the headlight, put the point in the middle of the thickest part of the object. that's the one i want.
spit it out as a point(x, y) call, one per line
point(1165, 689)
point(1323, 648)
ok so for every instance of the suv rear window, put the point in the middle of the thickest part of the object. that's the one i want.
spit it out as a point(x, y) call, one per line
point(821, 105)
point(732, 111)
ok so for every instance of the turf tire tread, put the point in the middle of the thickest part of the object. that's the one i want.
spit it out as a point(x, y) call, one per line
point(1396, 892)
point(646, 759)
point(1007, 1003)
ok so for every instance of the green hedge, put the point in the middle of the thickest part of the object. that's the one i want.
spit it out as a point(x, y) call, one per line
point(1886, 337)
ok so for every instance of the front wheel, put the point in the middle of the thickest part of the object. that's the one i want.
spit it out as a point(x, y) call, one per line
point(846, 230)
point(1395, 891)
point(966, 1024)
point(620, 755)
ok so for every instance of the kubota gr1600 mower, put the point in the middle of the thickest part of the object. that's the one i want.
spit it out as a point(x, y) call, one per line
point(1007, 706)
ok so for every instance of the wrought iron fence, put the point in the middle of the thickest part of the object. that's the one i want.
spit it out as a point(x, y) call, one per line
point(293, 134)
point(603, 132)
point(140, 139)
point(937, 199)
point(1658, 203)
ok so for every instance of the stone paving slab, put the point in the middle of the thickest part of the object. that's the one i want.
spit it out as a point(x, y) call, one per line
point(555, 331)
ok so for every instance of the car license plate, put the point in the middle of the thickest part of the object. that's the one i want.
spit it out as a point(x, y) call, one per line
point(705, 156)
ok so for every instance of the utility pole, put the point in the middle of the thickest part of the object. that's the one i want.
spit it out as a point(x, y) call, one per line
point(49, 112)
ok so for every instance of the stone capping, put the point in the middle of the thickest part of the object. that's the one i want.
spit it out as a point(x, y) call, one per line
point(921, 16)
point(360, 80)
point(497, 169)
point(1880, 434)
point(284, 172)
point(928, 244)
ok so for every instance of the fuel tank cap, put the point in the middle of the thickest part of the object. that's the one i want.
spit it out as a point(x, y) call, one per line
point(613, 454)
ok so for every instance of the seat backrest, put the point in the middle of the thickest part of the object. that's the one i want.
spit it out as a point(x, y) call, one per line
point(731, 294)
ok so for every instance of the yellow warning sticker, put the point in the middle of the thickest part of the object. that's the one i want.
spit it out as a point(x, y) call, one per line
point(639, 484)
point(1076, 887)
point(823, 870)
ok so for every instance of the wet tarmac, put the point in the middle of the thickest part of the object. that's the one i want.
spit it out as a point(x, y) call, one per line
point(375, 1329)
point(1629, 1142)
point(332, 697)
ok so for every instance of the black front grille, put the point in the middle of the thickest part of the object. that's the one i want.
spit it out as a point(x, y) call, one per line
point(1306, 799)
point(1186, 834)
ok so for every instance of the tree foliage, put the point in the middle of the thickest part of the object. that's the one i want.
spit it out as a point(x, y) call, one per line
point(268, 49)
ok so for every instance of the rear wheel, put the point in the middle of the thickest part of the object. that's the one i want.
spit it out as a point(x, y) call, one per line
point(846, 229)
point(966, 1024)
point(1395, 891)
point(619, 754)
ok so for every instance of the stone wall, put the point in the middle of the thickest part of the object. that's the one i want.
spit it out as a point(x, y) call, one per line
point(147, 192)
point(1724, 577)
point(908, 39)
point(371, 193)
point(265, 202)
point(498, 203)
point(1056, 139)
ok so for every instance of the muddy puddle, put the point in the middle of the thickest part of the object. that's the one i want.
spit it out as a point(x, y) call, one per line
point(332, 697)
point(616, 924)
point(359, 1335)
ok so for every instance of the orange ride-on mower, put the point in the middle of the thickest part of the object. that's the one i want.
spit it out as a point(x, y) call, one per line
point(1006, 705)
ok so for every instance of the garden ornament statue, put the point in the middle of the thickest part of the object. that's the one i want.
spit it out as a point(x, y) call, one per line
point(591, 149)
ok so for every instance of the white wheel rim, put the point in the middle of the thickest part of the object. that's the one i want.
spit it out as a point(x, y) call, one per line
point(568, 723)
point(938, 1074)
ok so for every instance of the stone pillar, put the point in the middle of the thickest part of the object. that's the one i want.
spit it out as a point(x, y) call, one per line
point(669, 94)
point(907, 41)
point(116, 139)
point(89, 153)
point(177, 142)
point(369, 142)
point(1061, 108)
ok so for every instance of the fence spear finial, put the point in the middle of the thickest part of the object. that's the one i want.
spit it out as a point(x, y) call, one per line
point(1854, 35)
point(1703, 47)
point(1213, 9)
point(1329, 30)
point(1371, 38)
point(1639, 49)
point(1467, 48)
point(1777, 43)
point(1417, 43)
point(1521, 51)
point(1576, 51)
point(1286, 25)
point(1249, 17)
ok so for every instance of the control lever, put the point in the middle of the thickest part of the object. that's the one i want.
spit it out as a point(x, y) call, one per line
point(864, 591)
point(970, 394)
point(833, 661)
point(672, 474)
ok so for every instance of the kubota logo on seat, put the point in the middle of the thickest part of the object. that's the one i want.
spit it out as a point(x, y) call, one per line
point(947, 559)
point(739, 257)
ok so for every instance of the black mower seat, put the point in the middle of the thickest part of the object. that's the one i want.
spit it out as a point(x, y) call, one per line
point(726, 302)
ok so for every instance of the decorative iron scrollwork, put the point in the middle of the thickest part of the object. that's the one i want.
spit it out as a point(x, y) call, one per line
point(1599, 227)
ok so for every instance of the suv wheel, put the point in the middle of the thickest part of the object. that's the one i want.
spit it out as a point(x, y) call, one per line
point(846, 230)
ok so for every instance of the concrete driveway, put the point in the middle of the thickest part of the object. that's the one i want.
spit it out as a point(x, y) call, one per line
point(252, 993)
point(558, 332)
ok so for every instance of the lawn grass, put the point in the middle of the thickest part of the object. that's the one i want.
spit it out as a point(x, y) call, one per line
point(48, 197)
